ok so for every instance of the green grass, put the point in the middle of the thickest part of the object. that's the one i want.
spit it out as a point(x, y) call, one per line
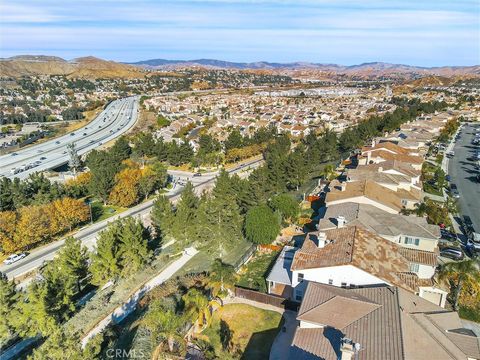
point(203, 260)
point(101, 212)
point(254, 273)
point(253, 331)
point(469, 313)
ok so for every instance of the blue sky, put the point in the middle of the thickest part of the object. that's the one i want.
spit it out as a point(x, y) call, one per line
point(420, 32)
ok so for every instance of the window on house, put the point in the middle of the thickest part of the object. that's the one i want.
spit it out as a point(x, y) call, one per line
point(299, 277)
point(344, 284)
point(330, 281)
point(414, 267)
point(353, 286)
point(411, 241)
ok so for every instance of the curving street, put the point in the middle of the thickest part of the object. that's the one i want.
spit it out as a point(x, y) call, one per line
point(117, 118)
point(88, 235)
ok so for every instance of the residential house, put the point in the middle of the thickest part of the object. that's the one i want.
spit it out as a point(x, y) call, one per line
point(370, 192)
point(385, 322)
point(355, 257)
point(407, 231)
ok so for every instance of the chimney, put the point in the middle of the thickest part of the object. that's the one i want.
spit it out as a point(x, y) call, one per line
point(380, 169)
point(349, 349)
point(340, 221)
point(343, 186)
point(322, 240)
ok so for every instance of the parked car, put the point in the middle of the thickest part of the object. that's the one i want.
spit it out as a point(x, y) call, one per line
point(197, 174)
point(452, 253)
point(14, 258)
point(447, 177)
point(454, 191)
point(468, 225)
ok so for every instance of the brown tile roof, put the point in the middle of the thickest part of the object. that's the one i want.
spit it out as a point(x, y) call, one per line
point(411, 159)
point(387, 145)
point(378, 330)
point(353, 245)
point(401, 326)
point(420, 256)
point(404, 168)
point(376, 192)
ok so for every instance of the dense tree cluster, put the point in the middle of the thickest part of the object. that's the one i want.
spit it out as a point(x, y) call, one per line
point(33, 224)
point(122, 249)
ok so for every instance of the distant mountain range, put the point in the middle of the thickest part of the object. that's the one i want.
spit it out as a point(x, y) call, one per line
point(92, 67)
point(85, 67)
point(372, 67)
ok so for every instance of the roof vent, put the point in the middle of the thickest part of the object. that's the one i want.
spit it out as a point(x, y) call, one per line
point(349, 349)
point(322, 239)
point(340, 221)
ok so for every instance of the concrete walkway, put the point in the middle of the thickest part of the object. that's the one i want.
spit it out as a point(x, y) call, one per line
point(130, 305)
point(281, 345)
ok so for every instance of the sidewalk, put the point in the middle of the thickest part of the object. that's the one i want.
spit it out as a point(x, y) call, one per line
point(130, 305)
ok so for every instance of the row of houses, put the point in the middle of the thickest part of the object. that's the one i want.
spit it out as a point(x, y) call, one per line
point(365, 276)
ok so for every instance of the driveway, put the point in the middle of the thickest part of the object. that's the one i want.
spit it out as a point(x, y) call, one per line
point(281, 345)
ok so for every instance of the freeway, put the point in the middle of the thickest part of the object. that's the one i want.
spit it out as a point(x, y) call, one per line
point(117, 118)
point(88, 234)
point(462, 172)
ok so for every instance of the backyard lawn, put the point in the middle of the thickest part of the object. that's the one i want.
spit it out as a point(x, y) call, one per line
point(251, 331)
point(253, 274)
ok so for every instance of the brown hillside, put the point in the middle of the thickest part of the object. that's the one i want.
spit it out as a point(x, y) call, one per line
point(87, 67)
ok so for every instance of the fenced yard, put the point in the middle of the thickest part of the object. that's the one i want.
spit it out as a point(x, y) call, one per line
point(268, 299)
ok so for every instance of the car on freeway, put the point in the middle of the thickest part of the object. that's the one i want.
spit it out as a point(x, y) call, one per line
point(197, 174)
point(454, 191)
point(92, 141)
point(84, 134)
point(72, 134)
point(99, 126)
point(14, 154)
point(452, 253)
point(57, 142)
point(43, 158)
point(14, 258)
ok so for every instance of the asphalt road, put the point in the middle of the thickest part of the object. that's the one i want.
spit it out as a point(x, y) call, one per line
point(88, 234)
point(462, 172)
point(116, 119)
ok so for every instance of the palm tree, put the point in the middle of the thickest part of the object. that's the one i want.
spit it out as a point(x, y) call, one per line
point(459, 273)
point(164, 325)
point(198, 307)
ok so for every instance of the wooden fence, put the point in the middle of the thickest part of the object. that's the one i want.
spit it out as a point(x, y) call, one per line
point(263, 298)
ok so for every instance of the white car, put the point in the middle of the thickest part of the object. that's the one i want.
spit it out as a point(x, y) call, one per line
point(14, 258)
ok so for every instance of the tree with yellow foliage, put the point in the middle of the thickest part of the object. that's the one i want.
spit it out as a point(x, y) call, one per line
point(32, 227)
point(126, 192)
point(66, 213)
point(8, 221)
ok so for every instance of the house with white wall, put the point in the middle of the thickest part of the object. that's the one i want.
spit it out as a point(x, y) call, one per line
point(412, 231)
point(352, 257)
